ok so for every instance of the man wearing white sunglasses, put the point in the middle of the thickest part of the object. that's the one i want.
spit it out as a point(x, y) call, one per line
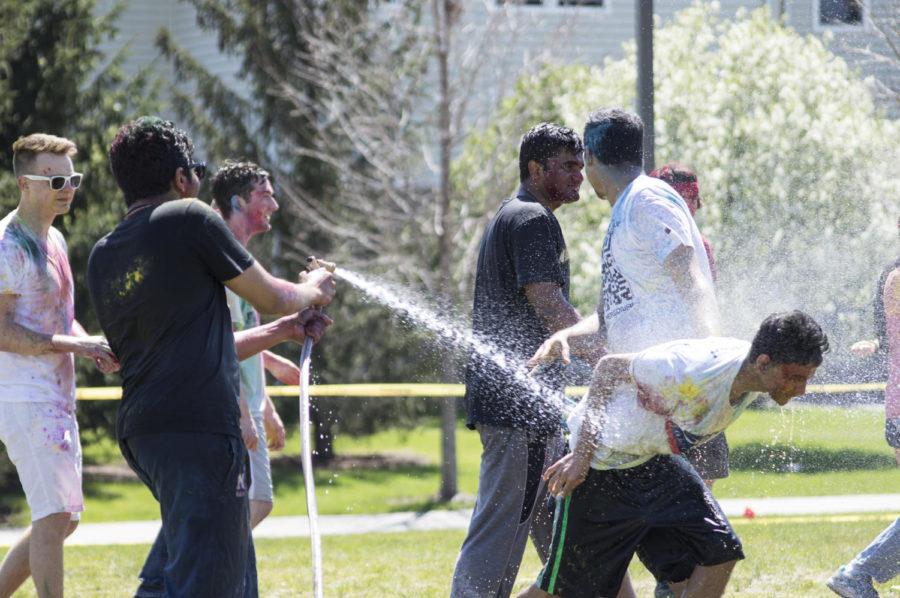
point(38, 337)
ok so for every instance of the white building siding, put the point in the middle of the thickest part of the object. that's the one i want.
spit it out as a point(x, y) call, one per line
point(506, 39)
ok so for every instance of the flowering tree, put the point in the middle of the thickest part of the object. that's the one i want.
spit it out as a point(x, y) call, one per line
point(794, 158)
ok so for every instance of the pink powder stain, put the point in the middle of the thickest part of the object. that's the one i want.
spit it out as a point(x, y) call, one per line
point(651, 400)
point(56, 431)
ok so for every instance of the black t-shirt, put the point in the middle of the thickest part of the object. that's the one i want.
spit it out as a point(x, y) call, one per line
point(156, 285)
point(522, 244)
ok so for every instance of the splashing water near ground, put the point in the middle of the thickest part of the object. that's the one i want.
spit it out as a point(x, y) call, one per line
point(459, 337)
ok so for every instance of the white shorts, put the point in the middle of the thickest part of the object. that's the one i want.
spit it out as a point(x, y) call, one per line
point(42, 441)
point(260, 466)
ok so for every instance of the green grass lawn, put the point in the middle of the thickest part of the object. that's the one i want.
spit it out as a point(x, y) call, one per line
point(801, 451)
point(785, 558)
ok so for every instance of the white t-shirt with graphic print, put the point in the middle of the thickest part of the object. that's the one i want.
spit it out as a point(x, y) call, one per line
point(39, 275)
point(641, 306)
point(680, 398)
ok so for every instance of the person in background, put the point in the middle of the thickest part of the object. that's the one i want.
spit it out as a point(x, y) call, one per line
point(880, 560)
point(38, 338)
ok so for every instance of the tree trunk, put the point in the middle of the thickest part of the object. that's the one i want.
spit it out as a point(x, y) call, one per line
point(441, 11)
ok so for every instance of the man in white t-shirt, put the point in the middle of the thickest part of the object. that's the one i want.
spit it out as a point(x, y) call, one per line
point(38, 338)
point(657, 284)
point(625, 488)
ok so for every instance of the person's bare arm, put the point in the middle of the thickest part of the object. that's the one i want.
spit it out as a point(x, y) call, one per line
point(15, 338)
point(584, 338)
point(274, 425)
point(569, 472)
point(271, 295)
point(551, 306)
point(284, 370)
point(107, 365)
point(248, 428)
point(696, 291)
point(294, 328)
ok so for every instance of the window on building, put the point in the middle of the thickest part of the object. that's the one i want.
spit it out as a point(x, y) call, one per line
point(840, 12)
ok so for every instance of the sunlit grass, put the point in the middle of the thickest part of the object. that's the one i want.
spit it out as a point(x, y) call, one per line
point(785, 559)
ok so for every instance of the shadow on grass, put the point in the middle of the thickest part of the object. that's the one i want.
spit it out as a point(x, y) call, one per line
point(291, 476)
point(102, 490)
point(785, 458)
point(288, 475)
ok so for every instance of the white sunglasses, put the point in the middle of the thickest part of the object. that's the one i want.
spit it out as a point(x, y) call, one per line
point(58, 181)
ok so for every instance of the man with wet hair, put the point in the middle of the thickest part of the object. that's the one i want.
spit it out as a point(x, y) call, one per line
point(521, 296)
point(38, 338)
point(157, 283)
point(625, 488)
point(656, 280)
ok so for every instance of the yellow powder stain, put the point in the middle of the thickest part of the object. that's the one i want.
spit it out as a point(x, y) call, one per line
point(686, 399)
point(131, 280)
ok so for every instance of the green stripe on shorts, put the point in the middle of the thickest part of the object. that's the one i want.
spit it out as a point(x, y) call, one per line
point(557, 559)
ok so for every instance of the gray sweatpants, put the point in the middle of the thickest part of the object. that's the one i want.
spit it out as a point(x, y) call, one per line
point(511, 503)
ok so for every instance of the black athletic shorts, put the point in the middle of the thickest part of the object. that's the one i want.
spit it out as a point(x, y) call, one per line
point(892, 432)
point(710, 459)
point(660, 509)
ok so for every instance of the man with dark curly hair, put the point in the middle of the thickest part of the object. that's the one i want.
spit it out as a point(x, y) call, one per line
point(157, 283)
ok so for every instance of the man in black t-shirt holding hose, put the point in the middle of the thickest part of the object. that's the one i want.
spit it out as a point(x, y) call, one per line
point(157, 284)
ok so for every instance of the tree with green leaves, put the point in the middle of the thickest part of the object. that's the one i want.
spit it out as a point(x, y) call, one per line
point(795, 162)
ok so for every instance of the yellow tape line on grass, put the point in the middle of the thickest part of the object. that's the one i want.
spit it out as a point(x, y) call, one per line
point(401, 389)
point(774, 520)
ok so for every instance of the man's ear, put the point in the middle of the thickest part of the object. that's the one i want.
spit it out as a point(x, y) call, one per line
point(762, 362)
point(181, 181)
point(534, 170)
point(237, 203)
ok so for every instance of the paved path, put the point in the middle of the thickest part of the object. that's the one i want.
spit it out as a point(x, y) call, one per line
point(143, 532)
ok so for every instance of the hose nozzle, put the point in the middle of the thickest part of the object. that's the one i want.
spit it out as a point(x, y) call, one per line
point(312, 262)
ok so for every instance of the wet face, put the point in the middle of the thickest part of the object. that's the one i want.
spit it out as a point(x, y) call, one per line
point(260, 207)
point(784, 381)
point(562, 177)
point(51, 201)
